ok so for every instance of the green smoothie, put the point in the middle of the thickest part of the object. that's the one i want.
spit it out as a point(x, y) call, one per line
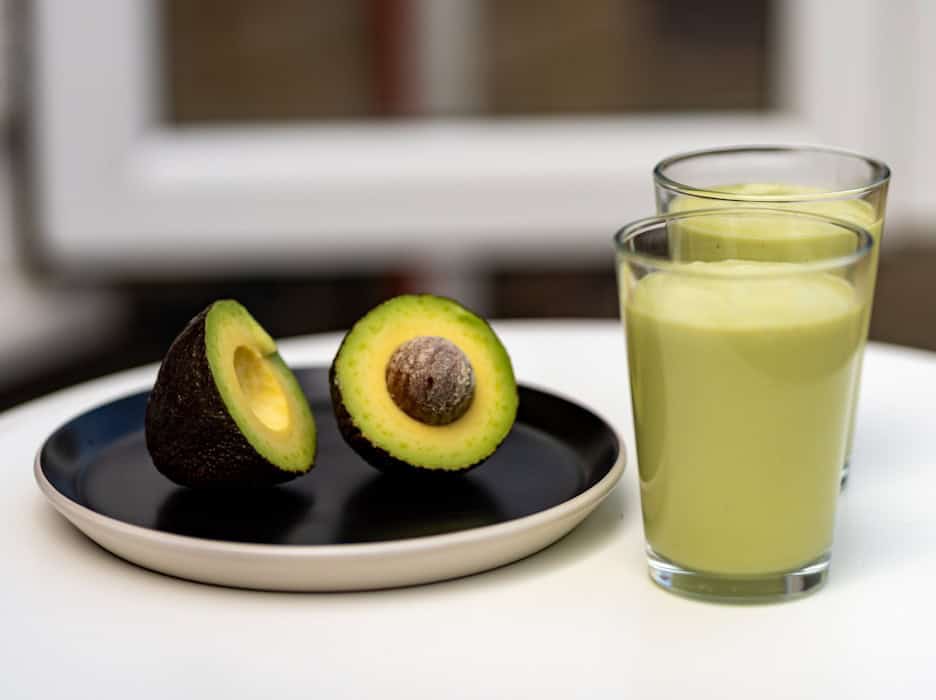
point(716, 238)
point(711, 238)
point(741, 385)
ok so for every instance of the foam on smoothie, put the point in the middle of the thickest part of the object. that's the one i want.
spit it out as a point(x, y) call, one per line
point(743, 294)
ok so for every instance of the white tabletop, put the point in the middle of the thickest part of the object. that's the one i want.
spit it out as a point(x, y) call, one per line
point(579, 619)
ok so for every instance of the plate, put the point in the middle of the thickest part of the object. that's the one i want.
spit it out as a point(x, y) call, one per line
point(344, 526)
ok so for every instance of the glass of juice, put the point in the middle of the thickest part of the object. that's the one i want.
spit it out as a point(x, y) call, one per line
point(742, 365)
point(821, 180)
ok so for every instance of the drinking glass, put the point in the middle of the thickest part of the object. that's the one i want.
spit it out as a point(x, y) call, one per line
point(742, 366)
point(821, 180)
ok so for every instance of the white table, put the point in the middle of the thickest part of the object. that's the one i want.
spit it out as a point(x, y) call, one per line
point(580, 619)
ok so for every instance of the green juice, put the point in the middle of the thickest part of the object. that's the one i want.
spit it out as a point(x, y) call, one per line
point(717, 238)
point(741, 390)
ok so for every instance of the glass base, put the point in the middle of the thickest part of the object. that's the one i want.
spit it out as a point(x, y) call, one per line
point(765, 588)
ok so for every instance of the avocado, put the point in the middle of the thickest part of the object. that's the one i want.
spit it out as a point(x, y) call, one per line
point(421, 384)
point(225, 410)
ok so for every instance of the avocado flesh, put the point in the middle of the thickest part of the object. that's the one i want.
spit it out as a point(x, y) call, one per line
point(225, 410)
point(379, 430)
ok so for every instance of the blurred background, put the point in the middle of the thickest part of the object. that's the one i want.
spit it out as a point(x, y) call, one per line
point(311, 158)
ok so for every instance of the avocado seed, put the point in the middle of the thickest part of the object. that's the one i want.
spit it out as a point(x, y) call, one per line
point(430, 379)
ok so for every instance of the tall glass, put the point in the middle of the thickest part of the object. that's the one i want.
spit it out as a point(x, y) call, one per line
point(742, 368)
point(824, 181)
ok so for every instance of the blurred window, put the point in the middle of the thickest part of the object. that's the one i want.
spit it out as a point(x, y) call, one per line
point(287, 134)
point(284, 60)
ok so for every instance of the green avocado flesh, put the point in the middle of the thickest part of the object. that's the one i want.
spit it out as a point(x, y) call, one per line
point(382, 428)
point(225, 409)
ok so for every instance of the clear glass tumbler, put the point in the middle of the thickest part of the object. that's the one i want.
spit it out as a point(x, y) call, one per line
point(742, 368)
point(820, 180)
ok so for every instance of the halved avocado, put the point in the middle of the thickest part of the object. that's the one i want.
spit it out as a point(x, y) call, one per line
point(421, 384)
point(226, 410)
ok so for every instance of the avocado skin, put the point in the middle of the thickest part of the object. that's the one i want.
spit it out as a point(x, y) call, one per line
point(373, 455)
point(190, 436)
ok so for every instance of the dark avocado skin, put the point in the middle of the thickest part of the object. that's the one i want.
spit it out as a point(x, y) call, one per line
point(373, 455)
point(189, 434)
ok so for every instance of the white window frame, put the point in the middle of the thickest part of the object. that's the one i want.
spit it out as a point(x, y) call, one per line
point(120, 192)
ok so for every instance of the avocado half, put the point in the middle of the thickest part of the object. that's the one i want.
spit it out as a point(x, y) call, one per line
point(225, 410)
point(421, 384)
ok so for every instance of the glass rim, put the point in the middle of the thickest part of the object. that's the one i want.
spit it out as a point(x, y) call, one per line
point(880, 168)
point(789, 269)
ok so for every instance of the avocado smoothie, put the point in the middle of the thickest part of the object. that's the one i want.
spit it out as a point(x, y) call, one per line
point(774, 239)
point(741, 380)
point(716, 238)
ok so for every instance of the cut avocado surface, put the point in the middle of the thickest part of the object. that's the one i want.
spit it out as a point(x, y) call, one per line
point(421, 382)
point(225, 409)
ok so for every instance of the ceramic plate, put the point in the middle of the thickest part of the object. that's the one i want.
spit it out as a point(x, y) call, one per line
point(344, 526)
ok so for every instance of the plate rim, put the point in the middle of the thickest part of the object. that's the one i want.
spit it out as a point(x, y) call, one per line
point(589, 497)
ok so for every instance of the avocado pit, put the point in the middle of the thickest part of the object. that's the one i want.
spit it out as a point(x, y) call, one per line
point(431, 380)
